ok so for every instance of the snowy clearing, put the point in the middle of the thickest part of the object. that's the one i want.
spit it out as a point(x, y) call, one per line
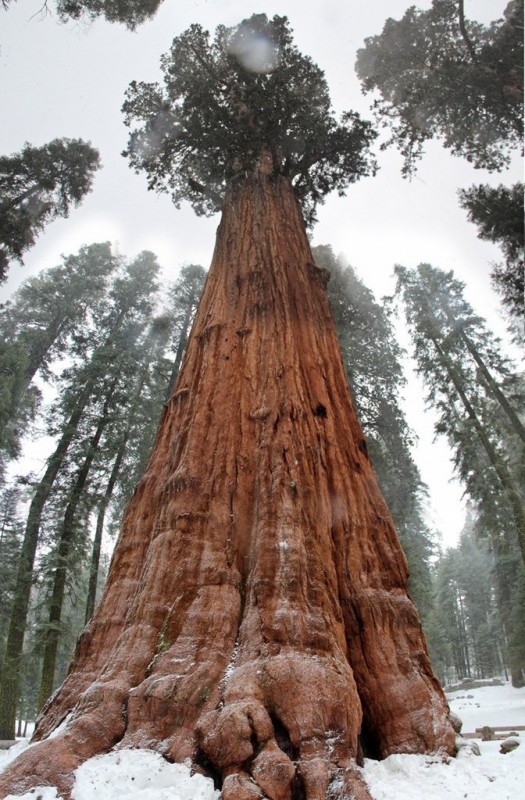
point(144, 775)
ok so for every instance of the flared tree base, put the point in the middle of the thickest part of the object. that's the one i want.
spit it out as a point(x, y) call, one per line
point(256, 618)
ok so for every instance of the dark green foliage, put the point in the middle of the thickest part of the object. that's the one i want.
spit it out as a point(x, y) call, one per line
point(17, 408)
point(498, 213)
point(36, 186)
point(129, 12)
point(38, 325)
point(474, 567)
point(451, 619)
point(227, 102)
point(83, 391)
point(372, 359)
point(439, 75)
point(476, 394)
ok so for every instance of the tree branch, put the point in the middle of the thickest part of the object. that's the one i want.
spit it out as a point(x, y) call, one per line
point(463, 29)
point(206, 191)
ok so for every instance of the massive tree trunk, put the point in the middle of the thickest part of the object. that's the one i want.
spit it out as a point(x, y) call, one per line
point(256, 618)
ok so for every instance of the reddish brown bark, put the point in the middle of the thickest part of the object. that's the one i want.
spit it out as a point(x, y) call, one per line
point(256, 617)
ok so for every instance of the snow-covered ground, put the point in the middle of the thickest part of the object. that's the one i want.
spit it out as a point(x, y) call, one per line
point(490, 776)
point(143, 775)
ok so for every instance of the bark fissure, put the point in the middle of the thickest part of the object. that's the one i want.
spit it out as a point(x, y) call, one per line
point(291, 622)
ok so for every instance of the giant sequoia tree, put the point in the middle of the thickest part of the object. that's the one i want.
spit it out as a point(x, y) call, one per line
point(255, 619)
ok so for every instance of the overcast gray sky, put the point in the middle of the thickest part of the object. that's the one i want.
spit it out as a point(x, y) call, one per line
point(69, 80)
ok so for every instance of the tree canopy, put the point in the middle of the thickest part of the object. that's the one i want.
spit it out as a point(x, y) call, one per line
point(440, 75)
point(475, 391)
point(498, 213)
point(129, 12)
point(36, 328)
point(227, 101)
point(37, 185)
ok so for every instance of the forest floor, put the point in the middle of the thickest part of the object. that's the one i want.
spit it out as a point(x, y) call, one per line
point(490, 776)
point(143, 775)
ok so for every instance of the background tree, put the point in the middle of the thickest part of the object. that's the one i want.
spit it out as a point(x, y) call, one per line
point(113, 371)
point(110, 444)
point(81, 388)
point(37, 326)
point(36, 186)
point(184, 298)
point(257, 537)
point(11, 529)
point(475, 391)
point(134, 418)
point(129, 12)
point(441, 75)
point(498, 213)
point(469, 618)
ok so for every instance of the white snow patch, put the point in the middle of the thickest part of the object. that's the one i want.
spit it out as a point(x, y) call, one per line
point(139, 775)
point(6, 756)
point(230, 669)
point(61, 728)
point(489, 705)
point(131, 775)
point(42, 792)
point(491, 776)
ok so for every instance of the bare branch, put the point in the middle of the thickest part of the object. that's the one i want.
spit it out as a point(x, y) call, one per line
point(463, 29)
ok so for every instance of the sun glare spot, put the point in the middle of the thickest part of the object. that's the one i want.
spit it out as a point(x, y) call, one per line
point(255, 51)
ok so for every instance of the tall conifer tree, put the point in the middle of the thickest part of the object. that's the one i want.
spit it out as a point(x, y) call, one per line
point(255, 618)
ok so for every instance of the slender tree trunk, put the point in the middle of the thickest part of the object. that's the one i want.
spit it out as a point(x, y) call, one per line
point(35, 359)
point(500, 468)
point(255, 618)
point(494, 389)
point(101, 516)
point(25, 195)
point(10, 676)
point(492, 386)
point(115, 472)
point(65, 542)
point(181, 347)
point(464, 34)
